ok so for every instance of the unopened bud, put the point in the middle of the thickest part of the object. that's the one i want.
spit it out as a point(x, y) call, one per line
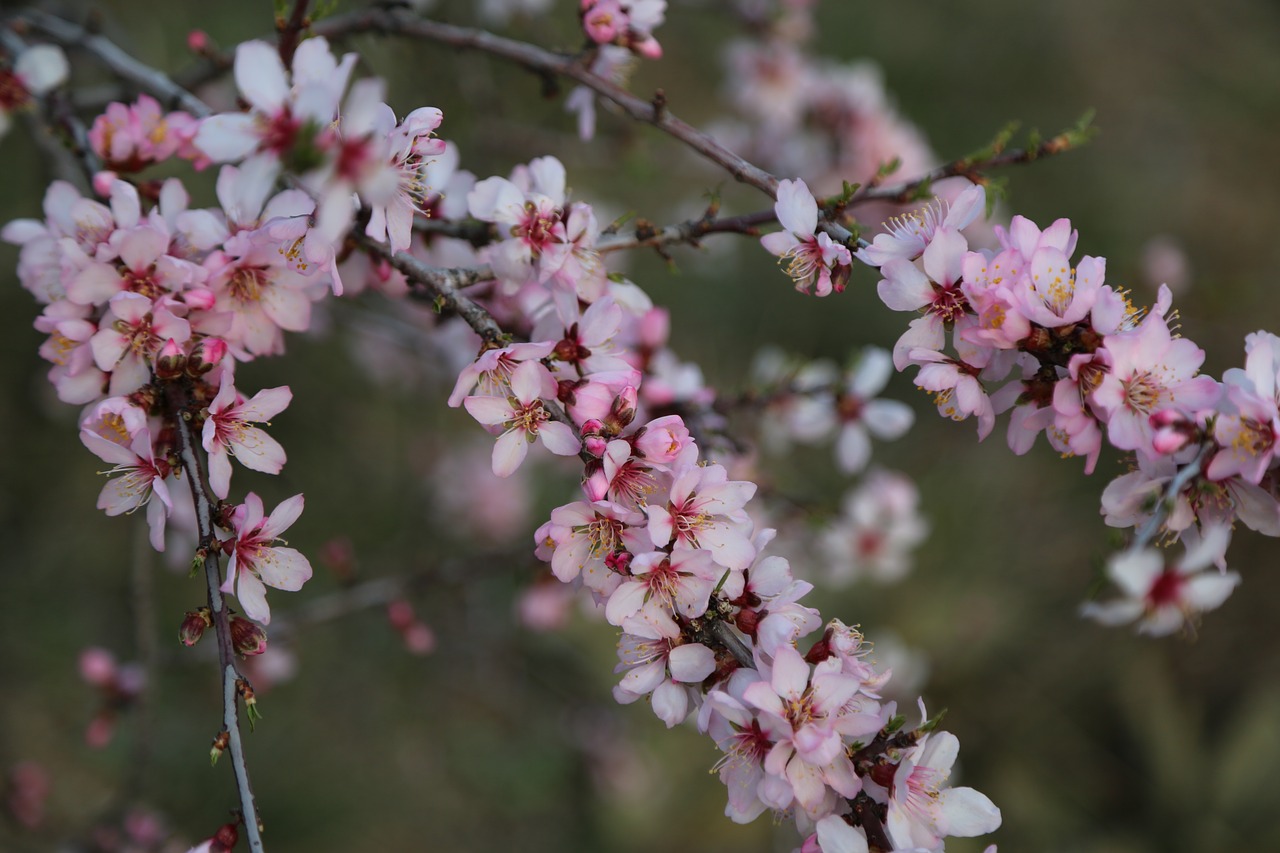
point(197, 41)
point(199, 298)
point(194, 626)
point(102, 182)
point(619, 561)
point(171, 361)
point(226, 838)
point(748, 621)
point(207, 354)
point(220, 744)
point(624, 409)
point(247, 638)
point(400, 614)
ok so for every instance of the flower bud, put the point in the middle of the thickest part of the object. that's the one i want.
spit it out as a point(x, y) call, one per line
point(199, 298)
point(171, 361)
point(207, 354)
point(193, 626)
point(226, 838)
point(595, 445)
point(619, 561)
point(102, 182)
point(400, 614)
point(624, 409)
point(197, 41)
point(248, 638)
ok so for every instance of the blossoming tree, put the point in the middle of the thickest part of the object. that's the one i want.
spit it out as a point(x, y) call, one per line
point(272, 190)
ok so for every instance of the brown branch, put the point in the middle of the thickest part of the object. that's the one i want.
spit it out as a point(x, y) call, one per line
point(290, 31)
point(443, 287)
point(122, 64)
point(400, 22)
point(193, 468)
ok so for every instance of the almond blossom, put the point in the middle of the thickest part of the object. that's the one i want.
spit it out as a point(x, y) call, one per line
point(227, 433)
point(256, 562)
point(1164, 598)
point(814, 259)
point(524, 419)
point(922, 811)
point(37, 70)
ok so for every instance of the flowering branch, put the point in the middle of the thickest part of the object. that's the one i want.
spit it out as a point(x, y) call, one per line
point(194, 469)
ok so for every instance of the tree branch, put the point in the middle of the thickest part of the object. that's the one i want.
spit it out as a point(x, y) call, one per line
point(400, 22)
point(107, 52)
point(194, 470)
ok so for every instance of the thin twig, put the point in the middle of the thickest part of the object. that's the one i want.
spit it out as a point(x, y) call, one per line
point(400, 22)
point(194, 469)
point(443, 286)
point(107, 52)
point(1168, 500)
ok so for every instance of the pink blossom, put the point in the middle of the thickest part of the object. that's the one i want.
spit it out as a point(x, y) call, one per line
point(227, 432)
point(815, 260)
point(657, 662)
point(256, 562)
point(141, 476)
point(665, 584)
point(1165, 598)
point(705, 510)
point(909, 235)
point(523, 418)
point(922, 812)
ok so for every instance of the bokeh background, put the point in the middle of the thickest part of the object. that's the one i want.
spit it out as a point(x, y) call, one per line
point(504, 738)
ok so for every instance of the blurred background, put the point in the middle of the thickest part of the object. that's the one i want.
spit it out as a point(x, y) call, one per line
point(505, 737)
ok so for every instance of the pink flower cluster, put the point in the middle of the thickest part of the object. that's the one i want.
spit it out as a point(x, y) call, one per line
point(625, 23)
point(1024, 328)
point(663, 542)
point(130, 137)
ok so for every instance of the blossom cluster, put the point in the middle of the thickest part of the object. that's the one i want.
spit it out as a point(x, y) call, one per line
point(663, 542)
point(150, 304)
point(1026, 329)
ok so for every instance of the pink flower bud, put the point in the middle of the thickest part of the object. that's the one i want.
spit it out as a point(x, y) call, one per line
point(171, 360)
point(420, 639)
point(197, 41)
point(248, 638)
point(624, 409)
point(194, 626)
point(661, 440)
point(400, 614)
point(97, 666)
point(199, 298)
point(102, 182)
point(596, 485)
point(595, 445)
point(1166, 441)
point(207, 354)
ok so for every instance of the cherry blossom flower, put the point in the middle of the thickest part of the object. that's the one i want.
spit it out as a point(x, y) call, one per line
point(815, 260)
point(524, 419)
point(664, 584)
point(656, 662)
point(38, 69)
point(1166, 598)
point(922, 812)
point(256, 562)
point(705, 510)
point(141, 477)
point(909, 235)
point(227, 433)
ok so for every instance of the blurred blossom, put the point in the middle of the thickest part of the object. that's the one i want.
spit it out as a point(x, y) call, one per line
point(878, 528)
point(472, 498)
point(1164, 261)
